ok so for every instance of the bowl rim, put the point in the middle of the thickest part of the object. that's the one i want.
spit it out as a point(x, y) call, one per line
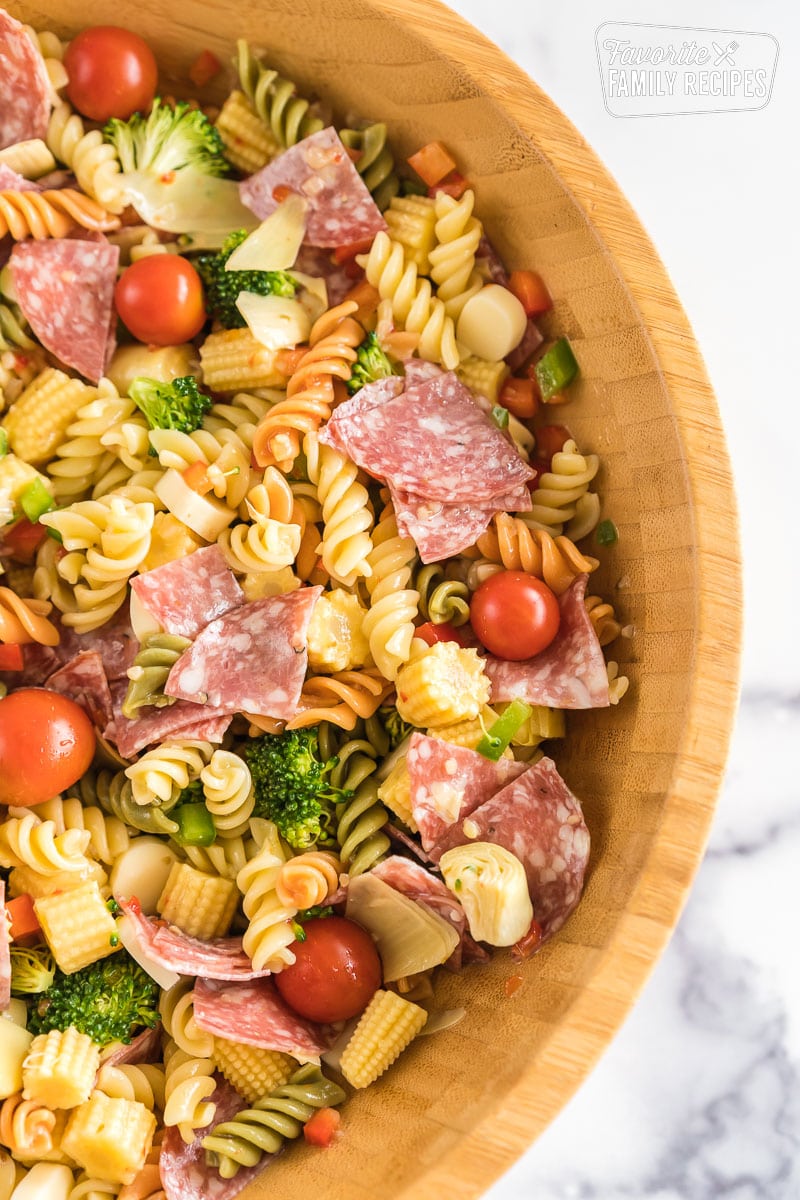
point(508, 1129)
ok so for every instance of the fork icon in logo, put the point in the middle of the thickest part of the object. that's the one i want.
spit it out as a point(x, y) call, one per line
point(726, 55)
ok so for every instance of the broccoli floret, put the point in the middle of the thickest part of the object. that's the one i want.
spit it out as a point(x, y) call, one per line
point(371, 364)
point(176, 405)
point(109, 1000)
point(292, 788)
point(168, 139)
point(223, 287)
point(32, 970)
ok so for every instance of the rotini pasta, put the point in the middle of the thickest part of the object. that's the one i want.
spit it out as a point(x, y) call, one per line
point(144, 1083)
point(310, 392)
point(269, 932)
point(389, 623)
point(82, 459)
point(157, 656)
point(346, 512)
point(108, 836)
point(228, 792)
point(360, 820)
point(27, 841)
point(51, 214)
point(272, 539)
point(556, 560)
point(226, 459)
point(93, 160)
point(308, 879)
point(375, 162)
point(441, 599)
point(274, 99)
point(340, 698)
point(452, 260)
point(113, 791)
point(601, 614)
point(161, 774)
point(23, 621)
point(559, 501)
point(177, 1015)
point(189, 1084)
point(30, 1129)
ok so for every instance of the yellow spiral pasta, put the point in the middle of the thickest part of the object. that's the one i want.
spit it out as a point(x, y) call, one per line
point(176, 1008)
point(228, 792)
point(30, 1129)
point(90, 1188)
point(241, 414)
point(310, 391)
point(412, 222)
point(82, 458)
point(108, 836)
point(601, 614)
point(25, 621)
point(106, 540)
point(410, 301)
point(389, 623)
point(271, 540)
point(52, 50)
point(340, 698)
point(93, 160)
point(269, 933)
point(51, 214)
point(227, 459)
point(27, 841)
point(160, 774)
point(225, 857)
point(31, 158)
point(275, 99)
point(308, 879)
point(189, 1084)
point(144, 1083)
point(556, 560)
point(452, 260)
point(346, 512)
point(562, 502)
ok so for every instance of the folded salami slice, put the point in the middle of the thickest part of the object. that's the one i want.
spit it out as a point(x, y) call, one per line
point(537, 818)
point(320, 263)
point(24, 86)
point(219, 958)
point(5, 956)
point(449, 782)
point(253, 659)
point(434, 442)
point(570, 673)
point(144, 1048)
point(419, 885)
point(255, 1014)
point(185, 1175)
point(182, 720)
point(10, 181)
point(341, 210)
point(531, 340)
point(371, 396)
point(65, 288)
point(440, 530)
point(83, 679)
point(187, 593)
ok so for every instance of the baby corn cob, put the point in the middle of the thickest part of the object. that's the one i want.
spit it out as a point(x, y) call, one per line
point(387, 1026)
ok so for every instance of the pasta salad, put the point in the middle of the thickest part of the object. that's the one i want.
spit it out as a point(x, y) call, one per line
point(294, 565)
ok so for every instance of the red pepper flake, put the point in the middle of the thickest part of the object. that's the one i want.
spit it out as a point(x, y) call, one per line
point(167, 177)
point(512, 985)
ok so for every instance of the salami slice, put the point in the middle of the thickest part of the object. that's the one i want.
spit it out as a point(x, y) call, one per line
point(184, 595)
point(537, 818)
point(83, 679)
point(192, 722)
point(490, 264)
point(341, 210)
point(255, 1014)
point(419, 371)
point(320, 264)
point(449, 782)
point(66, 292)
point(440, 530)
point(434, 442)
point(219, 958)
point(570, 673)
point(10, 181)
point(373, 395)
point(531, 340)
point(185, 1175)
point(5, 956)
point(253, 659)
point(144, 1048)
point(24, 86)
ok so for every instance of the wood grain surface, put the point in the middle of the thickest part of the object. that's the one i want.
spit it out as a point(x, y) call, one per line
point(461, 1105)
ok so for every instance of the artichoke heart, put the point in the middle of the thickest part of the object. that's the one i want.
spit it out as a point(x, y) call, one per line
point(492, 888)
point(410, 938)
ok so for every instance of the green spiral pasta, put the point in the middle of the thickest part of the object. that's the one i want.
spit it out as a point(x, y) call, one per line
point(376, 163)
point(157, 656)
point(12, 329)
point(264, 1128)
point(441, 599)
point(275, 99)
point(114, 793)
point(360, 819)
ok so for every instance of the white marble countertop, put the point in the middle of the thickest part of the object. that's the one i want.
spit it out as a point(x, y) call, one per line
point(699, 1095)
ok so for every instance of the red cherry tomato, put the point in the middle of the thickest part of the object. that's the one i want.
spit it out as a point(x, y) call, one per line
point(160, 300)
point(46, 744)
point(112, 72)
point(550, 440)
point(515, 615)
point(336, 971)
point(431, 633)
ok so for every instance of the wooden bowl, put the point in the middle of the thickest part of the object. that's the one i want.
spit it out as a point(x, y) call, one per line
point(460, 1106)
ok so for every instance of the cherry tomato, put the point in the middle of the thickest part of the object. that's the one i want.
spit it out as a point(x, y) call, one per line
point(336, 971)
point(515, 615)
point(22, 539)
point(46, 744)
point(550, 440)
point(160, 300)
point(445, 631)
point(112, 72)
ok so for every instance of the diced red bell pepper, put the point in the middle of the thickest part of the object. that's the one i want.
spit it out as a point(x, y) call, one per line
point(519, 396)
point(432, 163)
point(11, 657)
point(529, 288)
point(25, 928)
point(529, 944)
point(23, 539)
point(550, 440)
point(281, 192)
point(431, 633)
point(204, 68)
point(454, 184)
point(322, 1128)
point(343, 254)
